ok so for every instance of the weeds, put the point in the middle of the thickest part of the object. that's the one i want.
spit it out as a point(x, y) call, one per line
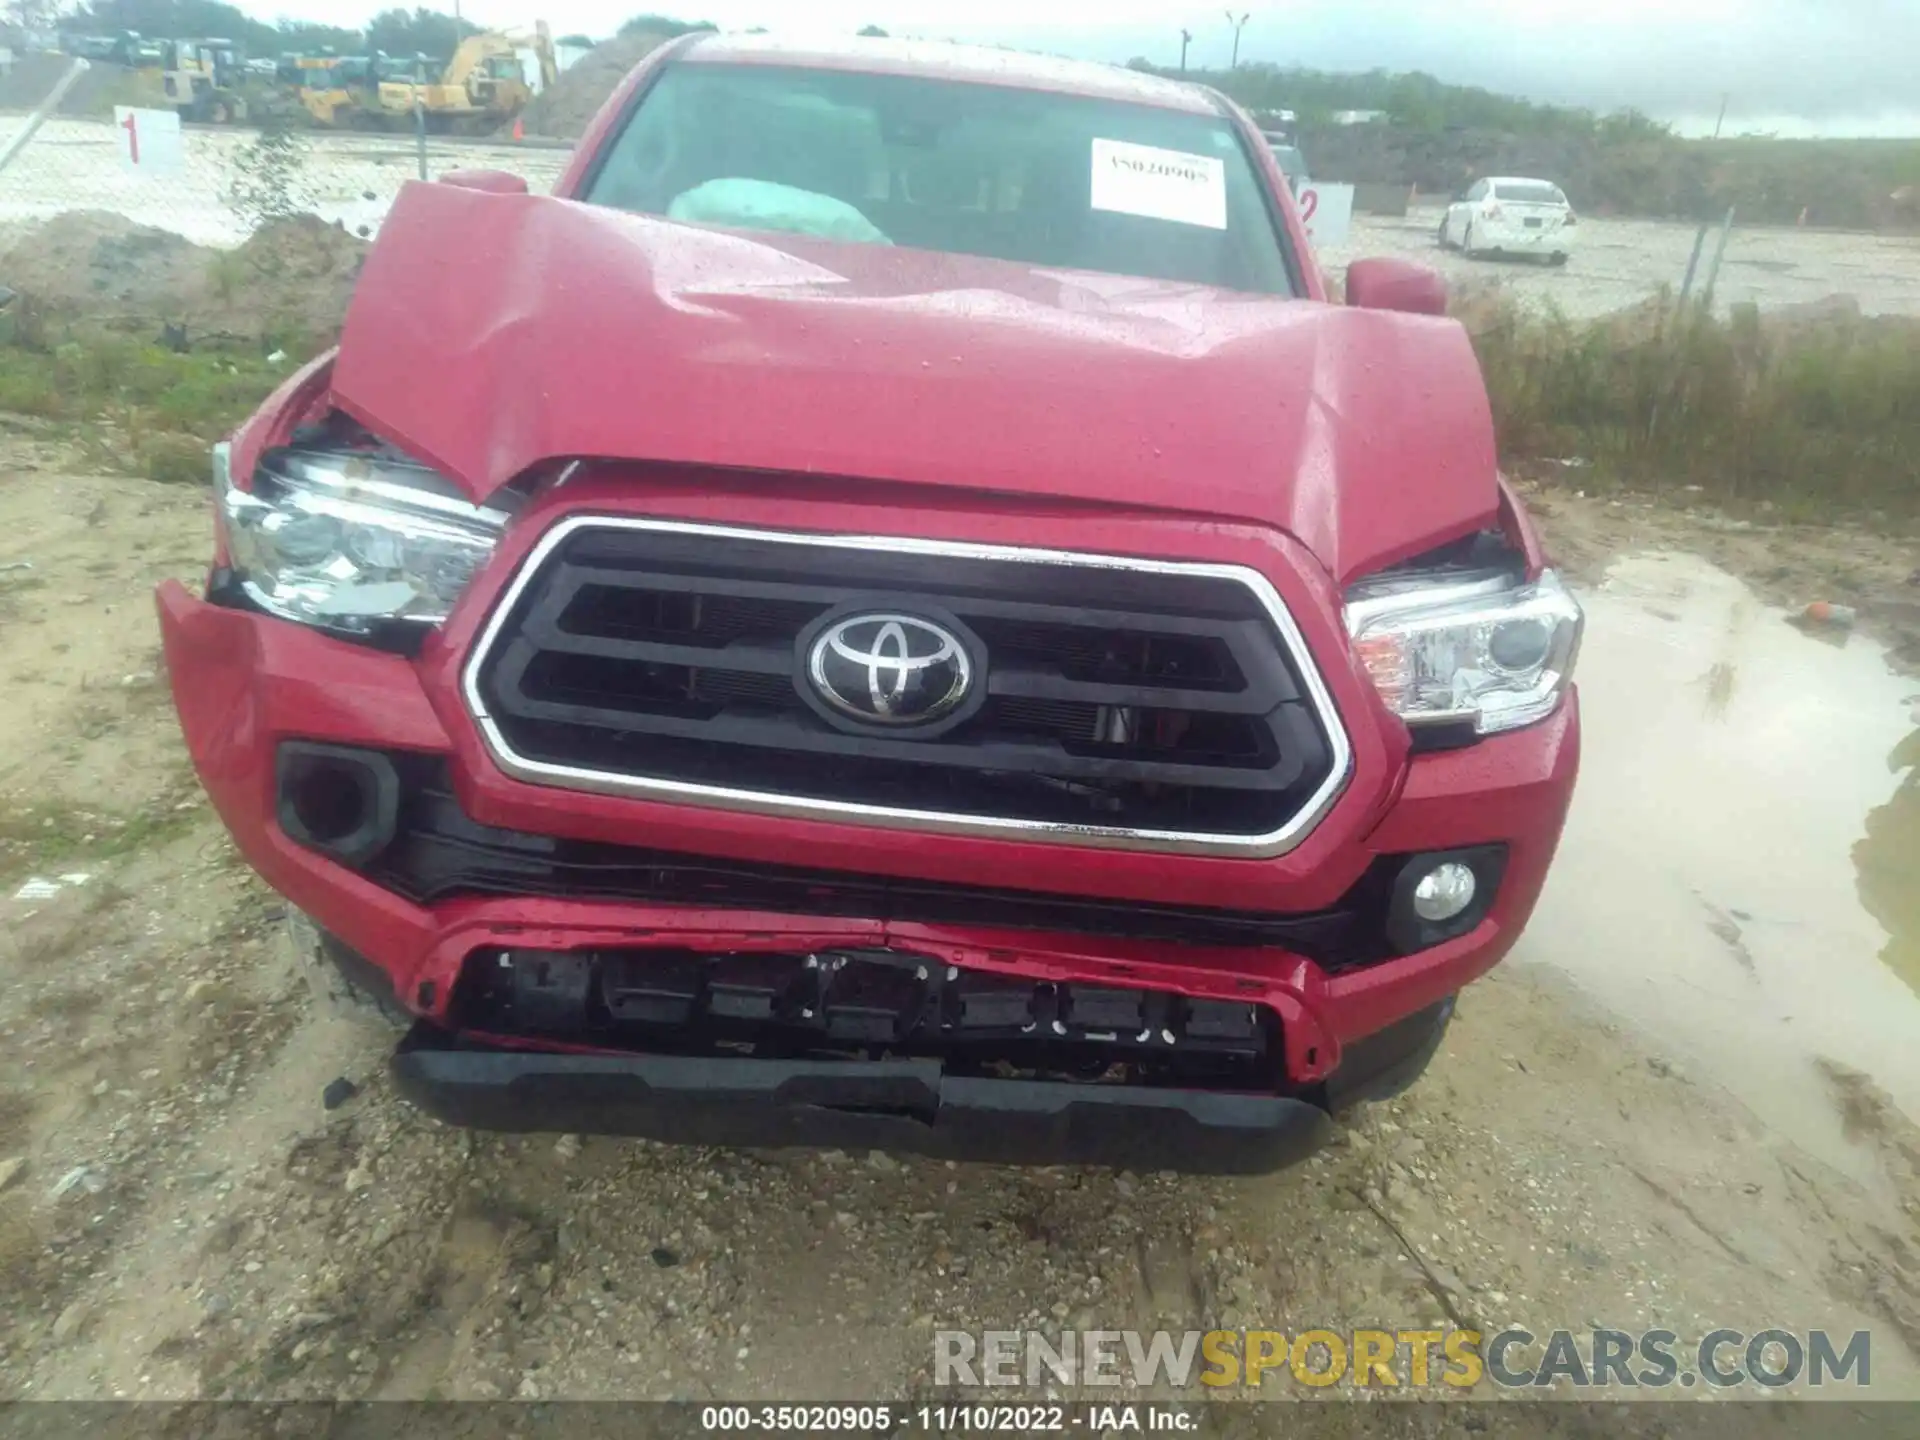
point(172, 405)
point(1813, 418)
point(33, 841)
point(269, 177)
point(1816, 419)
point(227, 274)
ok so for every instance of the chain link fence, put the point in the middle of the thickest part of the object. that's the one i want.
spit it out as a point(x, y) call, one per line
point(349, 179)
point(352, 179)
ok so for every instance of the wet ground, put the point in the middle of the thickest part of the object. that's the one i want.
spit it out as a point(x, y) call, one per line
point(1736, 875)
point(1621, 262)
point(352, 179)
point(1685, 1103)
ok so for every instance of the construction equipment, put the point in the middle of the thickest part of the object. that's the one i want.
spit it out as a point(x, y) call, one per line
point(127, 49)
point(339, 90)
point(484, 86)
point(202, 79)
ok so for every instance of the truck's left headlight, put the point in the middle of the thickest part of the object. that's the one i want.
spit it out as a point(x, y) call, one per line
point(350, 539)
point(1492, 651)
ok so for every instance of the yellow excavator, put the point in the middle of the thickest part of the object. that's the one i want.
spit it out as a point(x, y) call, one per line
point(483, 87)
point(336, 90)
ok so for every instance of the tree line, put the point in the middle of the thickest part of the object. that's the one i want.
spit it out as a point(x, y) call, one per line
point(398, 31)
point(1441, 137)
point(1413, 101)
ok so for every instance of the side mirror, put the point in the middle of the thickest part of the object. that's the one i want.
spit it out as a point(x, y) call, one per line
point(493, 182)
point(1396, 285)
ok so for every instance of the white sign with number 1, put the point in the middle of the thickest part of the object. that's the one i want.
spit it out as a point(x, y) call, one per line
point(150, 140)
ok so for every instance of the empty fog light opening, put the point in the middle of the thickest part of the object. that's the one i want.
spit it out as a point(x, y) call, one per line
point(339, 801)
point(1442, 895)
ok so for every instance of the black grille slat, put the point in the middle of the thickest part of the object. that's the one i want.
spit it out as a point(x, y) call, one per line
point(681, 616)
point(440, 853)
point(755, 565)
point(1110, 656)
point(755, 732)
point(1133, 700)
point(851, 1004)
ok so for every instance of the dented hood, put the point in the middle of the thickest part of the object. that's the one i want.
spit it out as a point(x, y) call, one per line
point(491, 333)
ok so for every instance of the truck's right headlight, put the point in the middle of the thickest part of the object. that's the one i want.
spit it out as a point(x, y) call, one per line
point(351, 538)
point(1489, 650)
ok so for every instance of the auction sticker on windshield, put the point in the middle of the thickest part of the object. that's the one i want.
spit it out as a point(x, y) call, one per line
point(1160, 184)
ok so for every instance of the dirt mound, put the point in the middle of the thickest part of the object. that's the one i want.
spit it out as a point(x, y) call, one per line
point(94, 269)
point(103, 267)
point(31, 78)
point(563, 111)
point(293, 275)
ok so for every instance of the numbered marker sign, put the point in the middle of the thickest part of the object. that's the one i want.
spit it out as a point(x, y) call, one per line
point(1328, 212)
point(150, 142)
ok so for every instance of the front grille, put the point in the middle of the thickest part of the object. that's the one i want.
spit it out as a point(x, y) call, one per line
point(1123, 701)
point(866, 1004)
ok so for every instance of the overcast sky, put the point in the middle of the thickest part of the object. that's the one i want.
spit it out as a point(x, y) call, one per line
point(1793, 66)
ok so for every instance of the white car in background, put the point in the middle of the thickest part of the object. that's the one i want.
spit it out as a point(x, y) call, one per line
point(1505, 215)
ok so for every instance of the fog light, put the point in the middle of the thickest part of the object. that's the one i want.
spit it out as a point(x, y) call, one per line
point(1443, 892)
point(1441, 895)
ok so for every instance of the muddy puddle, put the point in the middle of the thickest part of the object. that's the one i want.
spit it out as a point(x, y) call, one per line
point(1740, 875)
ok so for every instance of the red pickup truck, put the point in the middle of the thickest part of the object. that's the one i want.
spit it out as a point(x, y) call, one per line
point(892, 611)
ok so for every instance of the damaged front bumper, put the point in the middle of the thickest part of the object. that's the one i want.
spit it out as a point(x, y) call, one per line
point(905, 1105)
point(477, 867)
point(873, 1050)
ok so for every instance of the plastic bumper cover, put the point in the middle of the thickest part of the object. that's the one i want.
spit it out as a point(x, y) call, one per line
point(908, 1106)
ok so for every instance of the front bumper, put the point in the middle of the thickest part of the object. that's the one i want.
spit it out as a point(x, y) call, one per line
point(245, 683)
point(903, 1105)
point(906, 1106)
point(1518, 240)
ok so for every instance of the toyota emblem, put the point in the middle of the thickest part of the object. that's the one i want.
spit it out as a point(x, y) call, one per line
point(890, 669)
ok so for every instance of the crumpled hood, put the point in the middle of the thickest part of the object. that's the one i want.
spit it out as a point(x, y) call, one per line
point(490, 333)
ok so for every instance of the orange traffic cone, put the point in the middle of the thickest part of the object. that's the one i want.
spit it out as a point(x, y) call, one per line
point(519, 129)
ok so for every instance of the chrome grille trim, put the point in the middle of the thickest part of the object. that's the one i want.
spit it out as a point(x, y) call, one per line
point(566, 777)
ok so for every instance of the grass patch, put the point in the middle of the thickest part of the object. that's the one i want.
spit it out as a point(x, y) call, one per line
point(1815, 417)
point(38, 840)
point(176, 404)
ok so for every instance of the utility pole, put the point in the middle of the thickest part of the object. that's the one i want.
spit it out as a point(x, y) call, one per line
point(1186, 39)
point(1723, 116)
point(1238, 25)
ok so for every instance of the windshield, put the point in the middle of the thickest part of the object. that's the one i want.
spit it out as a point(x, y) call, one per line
point(1528, 192)
point(1023, 175)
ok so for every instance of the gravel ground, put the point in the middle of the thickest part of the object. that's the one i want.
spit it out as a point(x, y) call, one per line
point(181, 1217)
point(1621, 262)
